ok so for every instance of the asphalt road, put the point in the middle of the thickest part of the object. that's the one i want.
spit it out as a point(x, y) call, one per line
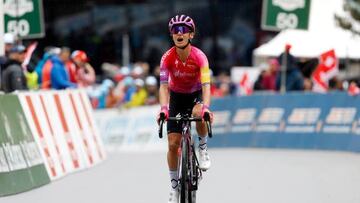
point(237, 175)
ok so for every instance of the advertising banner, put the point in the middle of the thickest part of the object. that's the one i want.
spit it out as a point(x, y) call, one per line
point(131, 129)
point(295, 120)
point(21, 165)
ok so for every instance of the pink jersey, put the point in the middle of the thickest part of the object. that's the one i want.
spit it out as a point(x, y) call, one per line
point(184, 77)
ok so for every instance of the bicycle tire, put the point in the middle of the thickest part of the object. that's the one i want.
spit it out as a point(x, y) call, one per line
point(184, 172)
point(194, 176)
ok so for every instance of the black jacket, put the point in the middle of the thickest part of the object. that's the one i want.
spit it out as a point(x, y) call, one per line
point(13, 77)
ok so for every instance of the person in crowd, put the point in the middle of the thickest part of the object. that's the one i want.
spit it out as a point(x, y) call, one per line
point(258, 85)
point(46, 64)
point(137, 72)
point(152, 91)
point(224, 89)
point(59, 77)
point(99, 95)
point(294, 77)
point(9, 41)
point(335, 84)
point(79, 69)
point(308, 85)
point(121, 92)
point(113, 98)
point(139, 96)
point(13, 77)
point(269, 78)
point(128, 88)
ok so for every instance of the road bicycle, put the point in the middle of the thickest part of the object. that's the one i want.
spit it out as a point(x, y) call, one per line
point(189, 173)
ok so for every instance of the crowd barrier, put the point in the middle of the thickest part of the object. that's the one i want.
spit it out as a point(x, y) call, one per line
point(293, 120)
point(44, 136)
point(130, 129)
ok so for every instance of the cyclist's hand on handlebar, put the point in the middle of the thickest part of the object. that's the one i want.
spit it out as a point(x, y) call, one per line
point(163, 114)
point(205, 110)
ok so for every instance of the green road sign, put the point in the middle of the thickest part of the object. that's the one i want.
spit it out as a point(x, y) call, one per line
point(284, 14)
point(24, 18)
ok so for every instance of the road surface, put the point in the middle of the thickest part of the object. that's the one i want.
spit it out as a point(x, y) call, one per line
point(237, 175)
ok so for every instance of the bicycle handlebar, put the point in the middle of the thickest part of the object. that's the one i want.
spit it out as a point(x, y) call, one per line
point(206, 119)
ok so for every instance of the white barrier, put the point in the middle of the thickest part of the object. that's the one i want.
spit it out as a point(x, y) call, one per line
point(132, 129)
point(64, 129)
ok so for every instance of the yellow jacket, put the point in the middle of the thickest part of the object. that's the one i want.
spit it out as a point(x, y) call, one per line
point(137, 99)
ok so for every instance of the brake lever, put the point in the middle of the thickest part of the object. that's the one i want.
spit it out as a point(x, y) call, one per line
point(160, 129)
point(208, 124)
point(162, 120)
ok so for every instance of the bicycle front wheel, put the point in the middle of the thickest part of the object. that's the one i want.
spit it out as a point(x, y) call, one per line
point(184, 192)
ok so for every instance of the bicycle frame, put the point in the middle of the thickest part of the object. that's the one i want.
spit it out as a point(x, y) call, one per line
point(187, 139)
point(189, 172)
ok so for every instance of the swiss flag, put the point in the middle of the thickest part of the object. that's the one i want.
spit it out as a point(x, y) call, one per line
point(327, 68)
point(245, 84)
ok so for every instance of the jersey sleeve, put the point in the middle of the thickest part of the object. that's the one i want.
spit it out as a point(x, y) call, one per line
point(204, 69)
point(164, 71)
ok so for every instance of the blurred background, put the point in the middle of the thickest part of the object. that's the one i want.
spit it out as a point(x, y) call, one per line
point(227, 31)
point(243, 41)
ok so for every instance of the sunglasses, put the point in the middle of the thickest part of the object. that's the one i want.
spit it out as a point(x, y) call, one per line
point(182, 29)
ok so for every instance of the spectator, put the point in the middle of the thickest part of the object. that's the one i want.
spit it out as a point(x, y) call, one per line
point(80, 71)
point(258, 85)
point(294, 78)
point(46, 64)
point(152, 91)
point(43, 68)
point(128, 89)
point(59, 75)
point(139, 96)
point(13, 77)
point(335, 84)
point(137, 72)
point(308, 85)
point(9, 41)
point(269, 78)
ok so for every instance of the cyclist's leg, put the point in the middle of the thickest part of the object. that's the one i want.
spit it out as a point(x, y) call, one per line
point(204, 158)
point(200, 126)
point(174, 140)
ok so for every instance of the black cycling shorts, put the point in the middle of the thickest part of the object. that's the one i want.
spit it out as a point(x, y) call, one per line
point(181, 103)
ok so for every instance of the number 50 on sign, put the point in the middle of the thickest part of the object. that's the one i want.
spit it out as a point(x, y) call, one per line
point(24, 18)
point(285, 14)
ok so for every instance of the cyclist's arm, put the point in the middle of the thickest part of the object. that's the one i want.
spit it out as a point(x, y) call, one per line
point(206, 94)
point(205, 81)
point(164, 82)
point(164, 94)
